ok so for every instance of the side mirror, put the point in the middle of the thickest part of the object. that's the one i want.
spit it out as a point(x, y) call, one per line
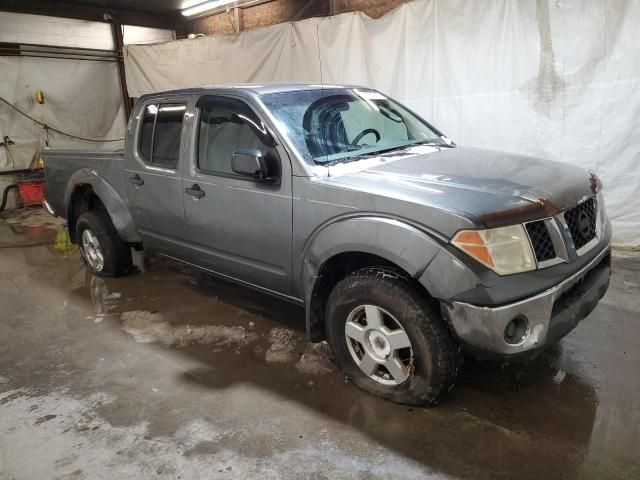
point(250, 162)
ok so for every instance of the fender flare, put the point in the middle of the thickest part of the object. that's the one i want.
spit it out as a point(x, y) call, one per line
point(401, 243)
point(114, 203)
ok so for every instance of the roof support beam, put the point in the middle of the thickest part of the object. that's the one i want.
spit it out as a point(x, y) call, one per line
point(85, 12)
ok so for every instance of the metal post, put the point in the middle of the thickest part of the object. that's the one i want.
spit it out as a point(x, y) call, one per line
point(236, 13)
point(116, 28)
point(333, 7)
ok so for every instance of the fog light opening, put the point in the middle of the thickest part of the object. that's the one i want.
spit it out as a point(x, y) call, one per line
point(516, 330)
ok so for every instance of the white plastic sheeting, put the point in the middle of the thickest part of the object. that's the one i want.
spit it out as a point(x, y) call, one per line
point(81, 97)
point(559, 80)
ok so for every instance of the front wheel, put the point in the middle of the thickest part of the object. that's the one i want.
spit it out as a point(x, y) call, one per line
point(389, 340)
point(103, 251)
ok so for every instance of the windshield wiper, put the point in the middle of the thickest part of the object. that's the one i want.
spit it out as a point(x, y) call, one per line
point(429, 143)
point(378, 153)
point(355, 158)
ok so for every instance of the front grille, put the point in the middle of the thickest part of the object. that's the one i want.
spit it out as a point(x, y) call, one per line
point(541, 241)
point(581, 221)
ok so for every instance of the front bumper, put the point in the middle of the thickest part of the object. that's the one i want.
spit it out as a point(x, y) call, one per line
point(549, 315)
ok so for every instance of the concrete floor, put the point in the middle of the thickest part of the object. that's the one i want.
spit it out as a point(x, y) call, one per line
point(172, 374)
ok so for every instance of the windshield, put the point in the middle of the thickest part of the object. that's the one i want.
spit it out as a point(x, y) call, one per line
point(334, 125)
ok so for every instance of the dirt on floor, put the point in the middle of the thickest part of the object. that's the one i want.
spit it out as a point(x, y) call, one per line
point(170, 373)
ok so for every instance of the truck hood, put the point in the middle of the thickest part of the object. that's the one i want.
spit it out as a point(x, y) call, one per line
point(494, 188)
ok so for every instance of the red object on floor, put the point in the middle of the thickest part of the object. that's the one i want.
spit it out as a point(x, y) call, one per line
point(32, 193)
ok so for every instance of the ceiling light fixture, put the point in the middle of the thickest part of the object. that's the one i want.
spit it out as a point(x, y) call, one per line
point(191, 3)
point(195, 7)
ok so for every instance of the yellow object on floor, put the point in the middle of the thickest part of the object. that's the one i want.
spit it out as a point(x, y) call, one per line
point(63, 243)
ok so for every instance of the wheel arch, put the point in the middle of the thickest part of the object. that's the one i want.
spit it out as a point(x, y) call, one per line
point(349, 244)
point(87, 191)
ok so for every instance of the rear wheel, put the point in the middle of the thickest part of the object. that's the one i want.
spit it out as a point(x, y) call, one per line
point(103, 251)
point(389, 340)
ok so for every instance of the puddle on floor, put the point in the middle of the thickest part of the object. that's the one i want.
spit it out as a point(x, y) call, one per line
point(573, 406)
point(150, 327)
point(33, 226)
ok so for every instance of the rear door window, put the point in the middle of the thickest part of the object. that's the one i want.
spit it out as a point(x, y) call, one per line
point(146, 131)
point(160, 134)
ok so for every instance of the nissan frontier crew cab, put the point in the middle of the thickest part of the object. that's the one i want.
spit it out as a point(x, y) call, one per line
point(404, 249)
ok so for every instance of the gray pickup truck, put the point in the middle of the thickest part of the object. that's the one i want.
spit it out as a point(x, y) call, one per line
point(404, 248)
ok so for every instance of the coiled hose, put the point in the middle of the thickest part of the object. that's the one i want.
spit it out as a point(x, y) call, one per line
point(5, 194)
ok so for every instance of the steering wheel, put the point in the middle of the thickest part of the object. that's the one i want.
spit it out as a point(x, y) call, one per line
point(364, 132)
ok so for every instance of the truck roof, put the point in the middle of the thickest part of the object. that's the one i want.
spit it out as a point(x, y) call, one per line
point(251, 88)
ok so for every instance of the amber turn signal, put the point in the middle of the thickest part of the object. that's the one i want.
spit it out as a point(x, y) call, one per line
point(505, 250)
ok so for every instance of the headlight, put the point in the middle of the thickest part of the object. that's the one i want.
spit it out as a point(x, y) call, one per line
point(505, 250)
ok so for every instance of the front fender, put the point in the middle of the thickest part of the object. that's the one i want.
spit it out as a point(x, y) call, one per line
point(398, 242)
point(114, 203)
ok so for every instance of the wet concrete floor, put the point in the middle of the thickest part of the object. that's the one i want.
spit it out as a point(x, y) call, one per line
point(173, 374)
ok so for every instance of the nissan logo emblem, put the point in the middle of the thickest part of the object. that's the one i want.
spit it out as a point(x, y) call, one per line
point(584, 224)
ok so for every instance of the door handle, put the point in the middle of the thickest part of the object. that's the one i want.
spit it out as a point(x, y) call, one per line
point(136, 180)
point(195, 191)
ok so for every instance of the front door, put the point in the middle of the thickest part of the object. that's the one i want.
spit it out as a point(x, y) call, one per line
point(239, 226)
point(154, 178)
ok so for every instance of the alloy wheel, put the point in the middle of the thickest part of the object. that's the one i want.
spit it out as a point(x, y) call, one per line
point(92, 251)
point(379, 345)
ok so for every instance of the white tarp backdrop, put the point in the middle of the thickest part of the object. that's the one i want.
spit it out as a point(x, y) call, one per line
point(81, 97)
point(559, 80)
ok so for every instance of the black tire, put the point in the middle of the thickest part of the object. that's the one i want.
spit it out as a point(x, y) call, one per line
point(116, 253)
point(436, 357)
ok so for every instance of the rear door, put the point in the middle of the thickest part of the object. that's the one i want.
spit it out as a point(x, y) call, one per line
point(154, 177)
point(237, 226)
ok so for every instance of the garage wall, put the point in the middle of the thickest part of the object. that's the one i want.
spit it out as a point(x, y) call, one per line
point(65, 32)
point(22, 28)
point(556, 80)
point(81, 97)
point(280, 11)
point(254, 16)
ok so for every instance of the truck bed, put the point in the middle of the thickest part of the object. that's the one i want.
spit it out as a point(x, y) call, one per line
point(61, 165)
